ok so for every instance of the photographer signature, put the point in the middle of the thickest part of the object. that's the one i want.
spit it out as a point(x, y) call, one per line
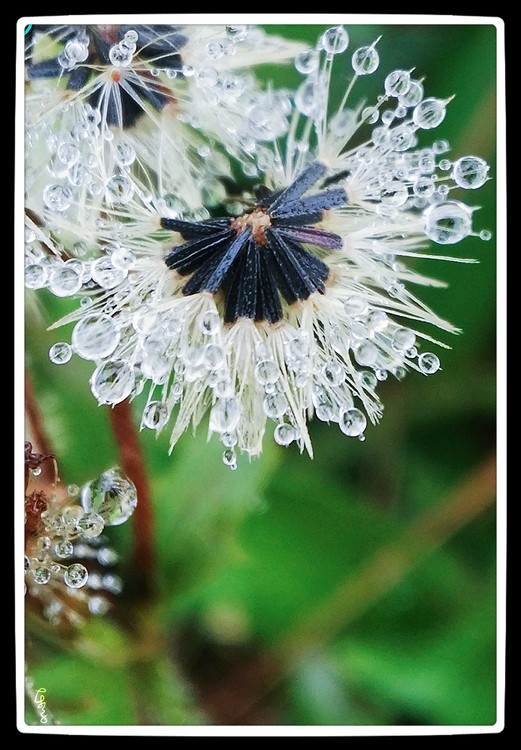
point(39, 702)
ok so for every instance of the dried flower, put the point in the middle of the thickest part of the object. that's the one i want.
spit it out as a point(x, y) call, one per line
point(65, 530)
point(294, 303)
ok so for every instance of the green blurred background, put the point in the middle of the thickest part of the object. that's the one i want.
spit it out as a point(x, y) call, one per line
point(355, 589)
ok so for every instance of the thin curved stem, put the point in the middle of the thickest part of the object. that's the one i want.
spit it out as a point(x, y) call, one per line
point(39, 436)
point(378, 576)
point(133, 464)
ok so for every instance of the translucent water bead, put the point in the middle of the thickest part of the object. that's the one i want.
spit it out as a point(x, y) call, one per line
point(73, 53)
point(284, 434)
point(307, 61)
point(352, 422)
point(76, 576)
point(308, 98)
point(365, 60)
point(366, 353)
point(448, 223)
point(266, 121)
point(120, 55)
point(91, 525)
point(275, 405)
point(35, 276)
point(68, 152)
point(397, 83)
point(355, 305)
point(119, 189)
point(207, 76)
point(229, 458)
point(237, 33)
point(60, 353)
point(64, 549)
point(155, 415)
point(428, 363)
point(112, 496)
point(41, 574)
point(333, 373)
point(403, 339)
point(124, 154)
point(335, 40)
point(394, 193)
point(413, 95)
point(423, 187)
point(65, 279)
point(209, 322)
point(266, 372)
point(225, 415)
point(429, 113)
point(95, 336)
point(470, 172)
point(76, 50)
point(122, 258)
point(112, 382)
point(106, 274)
point(232, 87)
point(57, 197)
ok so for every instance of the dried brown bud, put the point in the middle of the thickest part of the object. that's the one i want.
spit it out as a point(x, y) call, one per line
point(35, 505)
point(33, 460)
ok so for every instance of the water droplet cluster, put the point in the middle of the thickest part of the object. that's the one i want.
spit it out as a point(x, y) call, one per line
point(389, 174)
point(200, 68)
point(330, 353)
point(68, 563)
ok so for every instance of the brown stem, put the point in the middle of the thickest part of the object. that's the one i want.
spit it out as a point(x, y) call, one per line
point(39, 437)
point(391, 563)
point(133, 464)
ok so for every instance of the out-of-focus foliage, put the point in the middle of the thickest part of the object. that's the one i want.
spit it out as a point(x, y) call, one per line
point(245, 557)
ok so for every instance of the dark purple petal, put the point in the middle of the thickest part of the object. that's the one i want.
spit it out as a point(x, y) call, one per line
point(295, 275)
point(301, 220)
point(298, 187)
point(197, 283)
point(241, 301)
point(78, 78)
point(312, 236)
point(156, 98)
point(257, 266)
point(216, 278)
point(318, 202)
point(188, 257)
point(44, 69)
point(193, 229)
point(269, 307)
point(311, 271)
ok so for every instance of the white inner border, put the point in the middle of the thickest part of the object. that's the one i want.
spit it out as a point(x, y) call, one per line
point(500, 178)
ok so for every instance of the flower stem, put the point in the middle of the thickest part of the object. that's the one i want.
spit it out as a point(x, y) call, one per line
point(391, 563)
point(133, 464)
point(39, 437)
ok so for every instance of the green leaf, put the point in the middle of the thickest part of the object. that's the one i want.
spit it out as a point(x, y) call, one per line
point(443, 676)
point(199, 504)
point(294, 553)
point(83, 692)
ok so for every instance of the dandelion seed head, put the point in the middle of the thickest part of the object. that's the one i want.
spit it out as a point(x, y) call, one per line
point(293, 303)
